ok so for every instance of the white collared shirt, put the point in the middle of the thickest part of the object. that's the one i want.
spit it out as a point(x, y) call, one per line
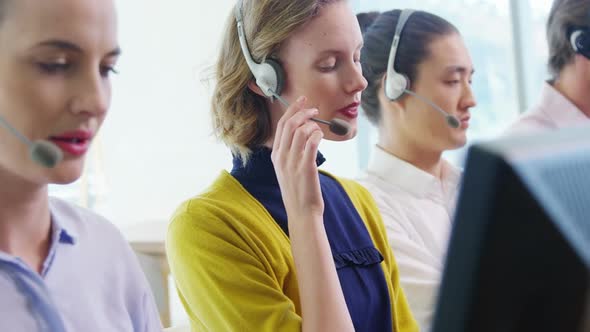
point(417, 209)
point(553, 111)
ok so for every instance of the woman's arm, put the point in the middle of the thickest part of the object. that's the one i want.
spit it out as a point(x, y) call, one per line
point(221, 282)
point(294, 155)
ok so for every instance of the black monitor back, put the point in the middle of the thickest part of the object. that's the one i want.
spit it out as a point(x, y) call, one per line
point(519, 254)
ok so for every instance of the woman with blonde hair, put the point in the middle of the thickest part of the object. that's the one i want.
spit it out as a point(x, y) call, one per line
point(277, 245)
point(62, 268)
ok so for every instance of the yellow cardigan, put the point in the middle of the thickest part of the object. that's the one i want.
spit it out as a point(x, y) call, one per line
point(233, 265)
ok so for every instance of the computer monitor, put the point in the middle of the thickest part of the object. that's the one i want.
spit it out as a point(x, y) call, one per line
point(519, 254)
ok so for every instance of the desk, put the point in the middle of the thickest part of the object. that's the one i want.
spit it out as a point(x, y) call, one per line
point(148, 241)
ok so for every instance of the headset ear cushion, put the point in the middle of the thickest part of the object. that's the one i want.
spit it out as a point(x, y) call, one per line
point(584, 42)
point(580, 40)
point(280, 73)
point(397, 84)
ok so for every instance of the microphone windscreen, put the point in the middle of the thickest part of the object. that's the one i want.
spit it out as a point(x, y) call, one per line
point(45, 153)
point(453, 122)
point(339, 127)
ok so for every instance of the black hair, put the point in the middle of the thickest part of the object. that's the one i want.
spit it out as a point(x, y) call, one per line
point(563, 17)
point(419, 32)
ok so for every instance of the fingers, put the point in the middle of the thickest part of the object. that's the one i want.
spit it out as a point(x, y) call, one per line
point(302, 136)
point(294, 108)
point(310, 151)
point(293, 124)
point(294, 153)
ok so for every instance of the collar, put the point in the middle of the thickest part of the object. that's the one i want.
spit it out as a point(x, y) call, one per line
point(63, 221)
point(260, 166)
point(63, 231)
point(410, 178)
point(560, 110)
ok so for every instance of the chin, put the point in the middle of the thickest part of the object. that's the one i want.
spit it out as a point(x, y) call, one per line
point(66, 172)
point(459, 142)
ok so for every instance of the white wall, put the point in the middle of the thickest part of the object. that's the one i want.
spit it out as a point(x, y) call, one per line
point(157, 145)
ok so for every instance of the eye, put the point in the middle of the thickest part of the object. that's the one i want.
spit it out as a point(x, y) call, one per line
point(106, 71)
point(53, 67)
point(327, 69)
point(327, 65)
point(452, 82)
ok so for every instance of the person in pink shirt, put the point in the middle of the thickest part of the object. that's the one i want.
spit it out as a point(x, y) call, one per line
point(564, 101)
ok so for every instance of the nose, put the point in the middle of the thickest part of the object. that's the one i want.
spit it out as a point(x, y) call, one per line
point(92, 94)
point(355, 81)
point(468, 98)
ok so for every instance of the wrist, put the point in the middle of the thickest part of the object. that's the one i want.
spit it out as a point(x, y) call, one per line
point(307, 220)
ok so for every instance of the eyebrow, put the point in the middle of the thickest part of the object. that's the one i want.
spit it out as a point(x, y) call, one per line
point(68, 46)
point(334, 51)
point(458, 69)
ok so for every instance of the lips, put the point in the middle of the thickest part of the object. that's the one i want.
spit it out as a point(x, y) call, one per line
point(350, 111)
point(465, 121)
point(75, 143)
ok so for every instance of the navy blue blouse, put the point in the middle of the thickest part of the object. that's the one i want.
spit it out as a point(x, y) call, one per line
point(356, 258)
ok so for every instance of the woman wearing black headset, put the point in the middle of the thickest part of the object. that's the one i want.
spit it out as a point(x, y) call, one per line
point(277, 245)
point(418, 96)
point(564, 100)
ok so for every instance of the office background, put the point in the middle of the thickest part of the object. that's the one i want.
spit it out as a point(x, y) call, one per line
point(156, 147)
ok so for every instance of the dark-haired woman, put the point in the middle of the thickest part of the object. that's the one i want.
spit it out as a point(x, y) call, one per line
point(414, 186)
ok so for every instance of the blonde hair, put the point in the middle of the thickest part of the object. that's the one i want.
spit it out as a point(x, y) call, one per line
point(241, 118)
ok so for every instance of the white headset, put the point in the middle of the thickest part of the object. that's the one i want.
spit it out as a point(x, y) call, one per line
point(269, 74)
point(396, 83)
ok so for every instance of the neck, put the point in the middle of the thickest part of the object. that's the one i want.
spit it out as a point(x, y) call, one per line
point(429, 161)
point(574, 88)
point(25, 223)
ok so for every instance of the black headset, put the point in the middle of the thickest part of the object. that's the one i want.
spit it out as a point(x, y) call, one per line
point(579, 38)
point(580, 41)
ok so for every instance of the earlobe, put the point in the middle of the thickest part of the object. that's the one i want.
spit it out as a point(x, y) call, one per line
point(255, 88)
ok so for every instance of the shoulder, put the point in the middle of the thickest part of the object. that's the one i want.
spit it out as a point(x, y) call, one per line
point(224, 215)
point(532, 121)
point(85, 224)
point(98, 241)
point(224, 199)
point(388, 197)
